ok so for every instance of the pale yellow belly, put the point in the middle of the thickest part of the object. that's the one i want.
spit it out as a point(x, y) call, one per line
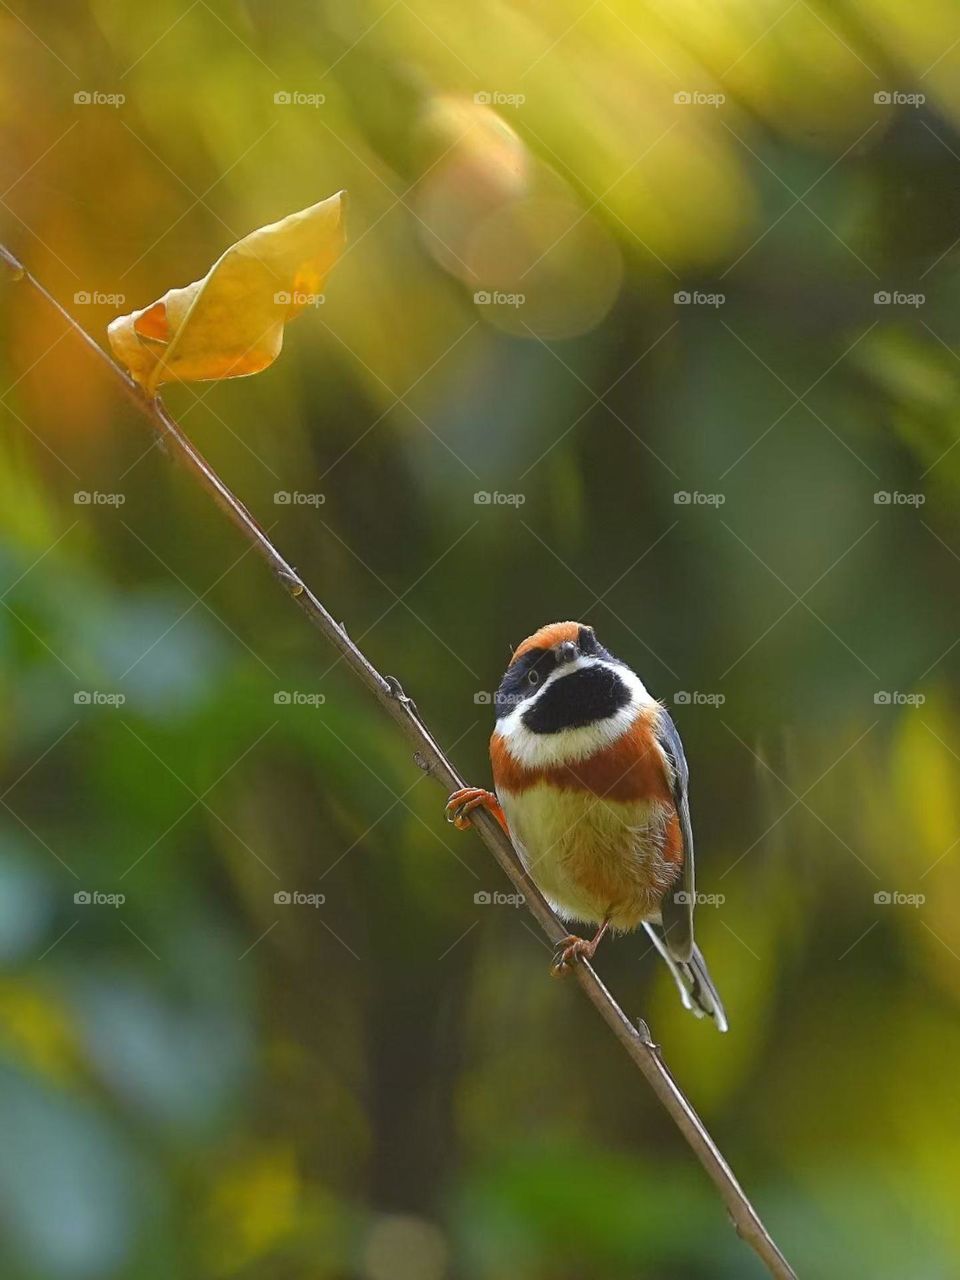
point(593, 859)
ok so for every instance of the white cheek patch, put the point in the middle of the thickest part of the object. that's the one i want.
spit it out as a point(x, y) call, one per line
point(543, 750)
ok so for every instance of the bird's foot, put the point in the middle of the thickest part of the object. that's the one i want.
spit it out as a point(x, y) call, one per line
point(568, 951)
point(462, 803)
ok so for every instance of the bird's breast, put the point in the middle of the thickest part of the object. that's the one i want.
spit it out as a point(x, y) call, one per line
point(599, 835)
point(595, 858)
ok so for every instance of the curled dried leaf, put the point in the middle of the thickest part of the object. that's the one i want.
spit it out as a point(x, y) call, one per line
point(230, 324)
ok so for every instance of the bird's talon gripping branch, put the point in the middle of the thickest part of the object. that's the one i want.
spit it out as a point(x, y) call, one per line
point(571, 948)
point(567, 951)
point(463, 802)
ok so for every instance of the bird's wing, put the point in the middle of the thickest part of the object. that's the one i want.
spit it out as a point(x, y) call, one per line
point(678, 915)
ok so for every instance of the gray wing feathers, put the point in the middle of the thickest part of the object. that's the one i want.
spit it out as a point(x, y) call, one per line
point(678, 904)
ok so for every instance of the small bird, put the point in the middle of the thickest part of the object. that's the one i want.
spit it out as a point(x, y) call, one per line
point(591, 787)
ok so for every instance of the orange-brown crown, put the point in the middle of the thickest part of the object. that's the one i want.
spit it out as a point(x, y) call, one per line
point(552, 634)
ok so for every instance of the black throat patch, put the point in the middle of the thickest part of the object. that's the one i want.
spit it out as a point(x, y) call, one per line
point(576, 700)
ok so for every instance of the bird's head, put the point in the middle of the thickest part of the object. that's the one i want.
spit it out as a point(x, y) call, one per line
point(564, 696)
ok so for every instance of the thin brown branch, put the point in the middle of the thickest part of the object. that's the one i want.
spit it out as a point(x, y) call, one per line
point(636, 1040)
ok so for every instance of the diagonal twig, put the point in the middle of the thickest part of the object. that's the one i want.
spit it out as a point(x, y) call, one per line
point(636, 1040)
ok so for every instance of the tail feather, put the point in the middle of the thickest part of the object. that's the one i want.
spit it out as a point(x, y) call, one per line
point(692, 977)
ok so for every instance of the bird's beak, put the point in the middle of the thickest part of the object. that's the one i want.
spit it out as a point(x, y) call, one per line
point(566, 652)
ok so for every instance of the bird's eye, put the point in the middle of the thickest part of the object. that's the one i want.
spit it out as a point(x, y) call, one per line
point(533, 677)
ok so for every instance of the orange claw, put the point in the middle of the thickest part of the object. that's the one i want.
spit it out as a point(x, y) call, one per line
point(460, 804)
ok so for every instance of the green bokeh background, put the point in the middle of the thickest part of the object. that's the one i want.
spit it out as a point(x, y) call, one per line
point(203, 1082)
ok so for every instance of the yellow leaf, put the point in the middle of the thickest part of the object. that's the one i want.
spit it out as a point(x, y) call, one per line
point(230, 323)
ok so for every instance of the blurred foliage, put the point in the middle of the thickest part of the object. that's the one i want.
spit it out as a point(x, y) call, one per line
point(203, 1081)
